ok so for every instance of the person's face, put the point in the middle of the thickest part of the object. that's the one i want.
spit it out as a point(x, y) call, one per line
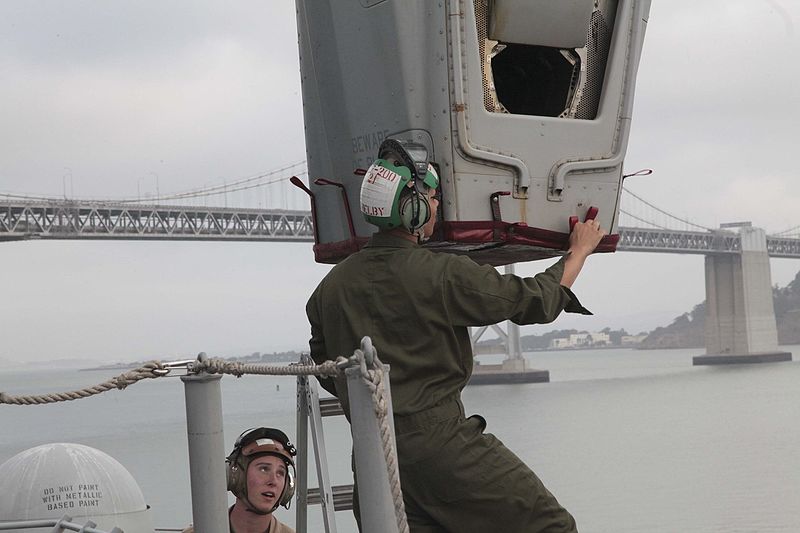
point(266, 477)
point(433, 201)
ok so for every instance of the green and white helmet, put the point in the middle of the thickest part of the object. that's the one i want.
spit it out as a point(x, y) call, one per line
point(382, 189)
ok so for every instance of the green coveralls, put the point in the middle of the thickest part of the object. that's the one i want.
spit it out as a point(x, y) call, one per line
point(416, 306)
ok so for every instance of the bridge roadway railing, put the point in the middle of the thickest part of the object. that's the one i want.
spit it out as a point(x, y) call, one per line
point(698, 242)
point(66, 219)
point(675, 241)
point(87, 220)
point(783, 247)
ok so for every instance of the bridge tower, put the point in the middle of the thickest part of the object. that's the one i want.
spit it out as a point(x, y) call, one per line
point(740, 316)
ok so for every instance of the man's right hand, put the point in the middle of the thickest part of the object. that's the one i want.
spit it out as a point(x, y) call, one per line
point(585, 237)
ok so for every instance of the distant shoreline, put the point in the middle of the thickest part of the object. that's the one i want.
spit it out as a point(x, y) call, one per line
point(571, 349)
point(119, 366)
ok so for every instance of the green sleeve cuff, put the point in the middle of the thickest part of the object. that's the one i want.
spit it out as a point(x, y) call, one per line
point(574, 306)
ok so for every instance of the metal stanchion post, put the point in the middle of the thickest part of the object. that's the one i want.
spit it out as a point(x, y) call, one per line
point(374, 493)
point(206, 452)
point(301, 460)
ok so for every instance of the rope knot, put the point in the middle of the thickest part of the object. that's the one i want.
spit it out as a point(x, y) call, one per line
point(237, 369)
point(154, 368)
point(123, 380)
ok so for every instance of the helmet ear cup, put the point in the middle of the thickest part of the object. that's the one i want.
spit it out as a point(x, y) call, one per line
point(235, 474)
point(288, 489)
point(415, 211)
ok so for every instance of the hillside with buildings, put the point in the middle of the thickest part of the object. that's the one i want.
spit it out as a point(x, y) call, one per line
point(687, 330)
point(567, 339)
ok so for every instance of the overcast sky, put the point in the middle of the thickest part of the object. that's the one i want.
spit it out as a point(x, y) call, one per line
point(119, 99)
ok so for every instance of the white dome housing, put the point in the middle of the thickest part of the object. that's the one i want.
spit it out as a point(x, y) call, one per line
point(54, 480)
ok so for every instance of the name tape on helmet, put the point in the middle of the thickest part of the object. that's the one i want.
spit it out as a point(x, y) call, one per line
point(265, 445)
point(379, 190)
point(432, 177)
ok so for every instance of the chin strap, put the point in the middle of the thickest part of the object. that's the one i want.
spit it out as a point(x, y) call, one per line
point(250, 508)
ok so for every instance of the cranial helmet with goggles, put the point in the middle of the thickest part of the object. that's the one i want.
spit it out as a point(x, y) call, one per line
point(393, 190)
point(254, 443)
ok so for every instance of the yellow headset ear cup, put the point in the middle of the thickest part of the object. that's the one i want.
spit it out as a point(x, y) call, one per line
point(407, 210)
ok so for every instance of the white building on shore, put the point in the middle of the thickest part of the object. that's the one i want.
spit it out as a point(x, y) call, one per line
point(581, 340)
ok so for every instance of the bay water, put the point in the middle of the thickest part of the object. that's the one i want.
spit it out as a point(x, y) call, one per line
point(628, 440)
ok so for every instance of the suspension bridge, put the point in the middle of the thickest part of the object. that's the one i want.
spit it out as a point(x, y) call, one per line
point(174, 217)
point(740, 322)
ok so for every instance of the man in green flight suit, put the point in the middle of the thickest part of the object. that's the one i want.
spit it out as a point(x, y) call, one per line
point(416, 305)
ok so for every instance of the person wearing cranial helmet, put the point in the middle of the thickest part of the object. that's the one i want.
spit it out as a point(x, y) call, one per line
point(261, 474)
point(398, 192)
point(417, 305)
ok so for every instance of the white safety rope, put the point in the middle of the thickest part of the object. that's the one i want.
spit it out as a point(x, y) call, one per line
point(153, 369)
point(221, 366)
point(157, 369)
point(372, 376)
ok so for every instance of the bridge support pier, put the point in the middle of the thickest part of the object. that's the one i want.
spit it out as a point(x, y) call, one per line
point(740, 315)
point(514, 368)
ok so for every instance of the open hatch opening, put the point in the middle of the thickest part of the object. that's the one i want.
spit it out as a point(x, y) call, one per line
point(527, 72)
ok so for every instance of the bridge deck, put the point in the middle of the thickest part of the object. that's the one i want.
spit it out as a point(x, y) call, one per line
point(73, 220)
point(65, 219)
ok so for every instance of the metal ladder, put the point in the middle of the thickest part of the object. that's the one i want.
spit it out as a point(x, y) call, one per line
point(310, 411)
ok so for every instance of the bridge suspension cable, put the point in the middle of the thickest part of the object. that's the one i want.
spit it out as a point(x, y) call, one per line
point(234, 186)
point(251, 182)
point(661, 211)
point(793, 230)
point(640, 219)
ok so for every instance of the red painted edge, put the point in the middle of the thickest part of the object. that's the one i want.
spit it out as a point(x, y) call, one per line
point(471, 232)
point(480, 232)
